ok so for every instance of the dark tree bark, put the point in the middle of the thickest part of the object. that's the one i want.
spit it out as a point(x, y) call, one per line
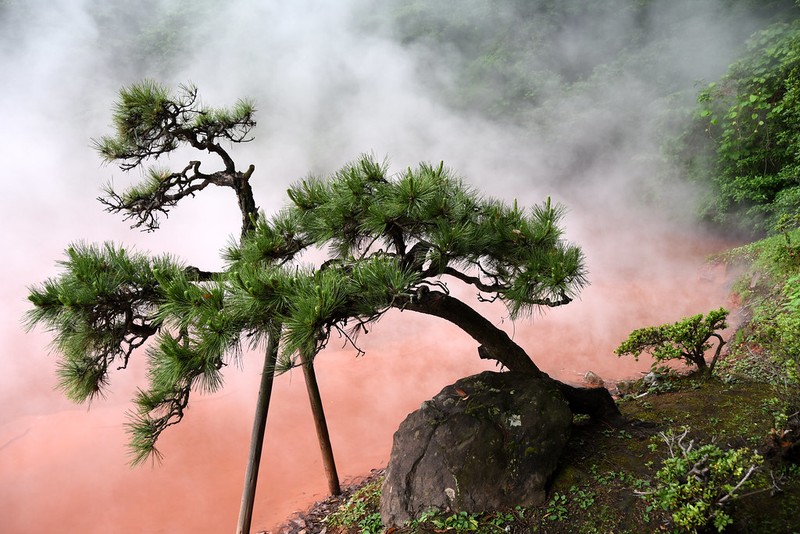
point(496, 345)
point(247, 203)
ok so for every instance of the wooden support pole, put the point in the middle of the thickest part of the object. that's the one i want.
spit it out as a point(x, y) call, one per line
point(322, 426)
point(257, 437)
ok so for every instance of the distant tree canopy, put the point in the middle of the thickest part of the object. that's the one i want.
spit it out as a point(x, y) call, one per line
point(746, 133)
point(548, 48)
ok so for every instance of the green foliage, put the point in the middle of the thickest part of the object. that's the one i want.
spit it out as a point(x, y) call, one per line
point(686, 340)
point(787, 226)
point(583, 498)
point(557, 507)
point(442, 224)
point(767, 347)
point(107, 303)
point(495, 522)
point(149, 38)
point(309, 304)
point(528, 65)
point(388, 236)
point(99, 310)
point(750, 119)
point(457, 522)
point(391, 240)
point(150, 120)
point(770, 256)
point(778, 322)
point(360, 511)
point(695, 484)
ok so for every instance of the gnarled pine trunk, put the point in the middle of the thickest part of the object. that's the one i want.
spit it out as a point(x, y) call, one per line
point(496, 345)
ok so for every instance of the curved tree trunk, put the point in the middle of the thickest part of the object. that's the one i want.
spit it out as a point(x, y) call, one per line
point(496, 345)
point(716, 353)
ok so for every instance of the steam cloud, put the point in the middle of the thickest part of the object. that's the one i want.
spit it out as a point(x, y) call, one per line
point(330, 81)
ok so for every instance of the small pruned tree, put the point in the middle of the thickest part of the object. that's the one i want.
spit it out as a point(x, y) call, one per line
point(686, 340)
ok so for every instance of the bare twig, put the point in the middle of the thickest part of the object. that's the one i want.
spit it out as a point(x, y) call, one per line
point(732, 492)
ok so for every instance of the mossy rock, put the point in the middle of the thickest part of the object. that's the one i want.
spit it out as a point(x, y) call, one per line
point(487, 442)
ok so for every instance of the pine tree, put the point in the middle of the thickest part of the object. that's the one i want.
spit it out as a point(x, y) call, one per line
point(394, 242)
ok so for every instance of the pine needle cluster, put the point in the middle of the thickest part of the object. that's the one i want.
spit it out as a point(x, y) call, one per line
point(151, 121)
point(107, 303)
point(100, 310)
point(436, 225)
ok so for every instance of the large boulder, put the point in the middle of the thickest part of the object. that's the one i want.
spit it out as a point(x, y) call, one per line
point(487, 442)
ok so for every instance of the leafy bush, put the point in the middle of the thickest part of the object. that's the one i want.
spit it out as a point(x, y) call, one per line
point(686, 340)
point(695, 484)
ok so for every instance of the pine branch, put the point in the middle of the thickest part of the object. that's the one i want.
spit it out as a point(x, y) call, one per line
point(475, 281)
point(145, 428)
point(151, 122)
point(163, 191)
